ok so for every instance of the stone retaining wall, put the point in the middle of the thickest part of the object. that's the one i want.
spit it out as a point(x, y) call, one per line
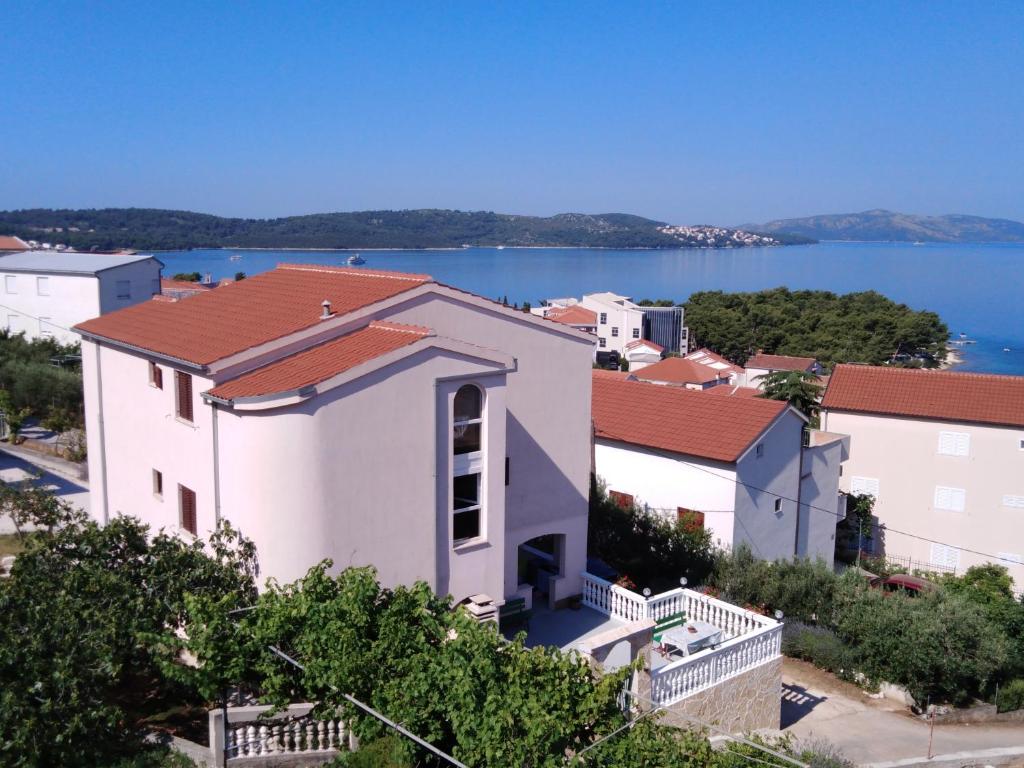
point(746, 702)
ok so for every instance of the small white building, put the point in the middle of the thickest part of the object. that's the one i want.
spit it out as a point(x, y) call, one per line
point(642, 353)
point(45, 293)
point(735, 465)
point(373, 418)
point(943, 455)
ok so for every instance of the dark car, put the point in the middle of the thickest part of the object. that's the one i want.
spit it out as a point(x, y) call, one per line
point(902, 582)
point(608, 360)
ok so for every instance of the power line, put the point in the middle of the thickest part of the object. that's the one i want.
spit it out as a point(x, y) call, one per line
point(799, 504)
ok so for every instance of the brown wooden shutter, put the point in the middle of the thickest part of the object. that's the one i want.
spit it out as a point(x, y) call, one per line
point(188, 509)
point(184, 390)
point(156, 376)
point(622, 500)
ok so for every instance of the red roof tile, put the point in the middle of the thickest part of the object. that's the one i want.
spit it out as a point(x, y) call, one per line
point(727, 390)
point(574, 315)
point(645, 343)
point(680, 420)
point(927, 394)
point(679, 370)
point(604, 373)
point(780, 362)
point(220, 323)
point(10, 243)
point(322, 362)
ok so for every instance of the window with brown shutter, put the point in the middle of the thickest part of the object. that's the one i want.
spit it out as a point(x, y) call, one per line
point(187, 501)
point(156, 376)
point(183, 383)
point(622, 500)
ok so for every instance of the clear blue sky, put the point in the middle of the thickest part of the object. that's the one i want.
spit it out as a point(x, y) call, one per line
point(725, 114)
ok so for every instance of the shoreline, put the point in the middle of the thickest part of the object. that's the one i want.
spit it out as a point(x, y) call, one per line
point(954, 356)
point(455, 248)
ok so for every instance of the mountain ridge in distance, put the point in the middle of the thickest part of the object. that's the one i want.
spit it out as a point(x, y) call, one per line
point(879, 224)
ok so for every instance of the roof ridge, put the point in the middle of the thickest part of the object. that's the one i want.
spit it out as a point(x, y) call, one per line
point(931, 371)
point(295, 267)
point(387, 325)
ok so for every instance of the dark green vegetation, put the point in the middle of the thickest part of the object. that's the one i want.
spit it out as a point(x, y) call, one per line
point(31, 385)
point(854, 327)
point(954, 644)
point(149, 228)
point(83, 613)
point(798, 388)
point(889, 225)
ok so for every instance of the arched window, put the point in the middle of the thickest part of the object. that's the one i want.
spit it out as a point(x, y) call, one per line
point(468, 412)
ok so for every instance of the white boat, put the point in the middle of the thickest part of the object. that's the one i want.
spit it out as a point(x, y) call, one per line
point(918, 242)
point(1006, 349)
point(235, 257)
point(501, 247)
point(355, 260)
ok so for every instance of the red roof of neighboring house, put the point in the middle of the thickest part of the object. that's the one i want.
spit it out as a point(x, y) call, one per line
point(10, 243)
point(217, 324)
point(574, 315)
point(604, 373)
point(167, 284)
point(680, 420)
point(645, 343)
point(983, 398)
point(780, 362)
point(679, 370)
point(730, 391)
point(711, 359)
point(322, 362)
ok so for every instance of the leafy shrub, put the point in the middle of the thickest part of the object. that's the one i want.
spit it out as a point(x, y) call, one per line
point(1010, 696)
point(385, 752)
point(820, 646)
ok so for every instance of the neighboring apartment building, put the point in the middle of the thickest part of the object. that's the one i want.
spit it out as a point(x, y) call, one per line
point(373, 418)
point(943, 455)
point(762, 364)
point(734, 464)
point(45, 293)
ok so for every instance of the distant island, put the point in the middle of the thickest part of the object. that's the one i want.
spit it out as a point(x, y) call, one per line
point(885, 225)
point(156, 229)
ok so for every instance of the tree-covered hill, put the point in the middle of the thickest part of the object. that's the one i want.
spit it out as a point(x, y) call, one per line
point(861, 327)
point(882, 225)
point(149, 228)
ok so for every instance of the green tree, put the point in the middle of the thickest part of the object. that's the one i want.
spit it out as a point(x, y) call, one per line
point(188, 277)
point(800, 389)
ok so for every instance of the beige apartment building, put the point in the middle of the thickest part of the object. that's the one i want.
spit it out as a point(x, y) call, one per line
point(943, 455)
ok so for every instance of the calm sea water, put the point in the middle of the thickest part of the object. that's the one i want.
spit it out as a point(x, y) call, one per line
point(976, 289)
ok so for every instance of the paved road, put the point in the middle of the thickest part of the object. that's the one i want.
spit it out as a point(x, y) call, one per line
point(20, 464)
point(817, 705)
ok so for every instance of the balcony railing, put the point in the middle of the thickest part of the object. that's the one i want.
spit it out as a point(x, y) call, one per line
point(750, 638)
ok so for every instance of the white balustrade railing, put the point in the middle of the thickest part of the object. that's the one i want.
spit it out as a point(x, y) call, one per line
point(248, 732)
point(702, 670)
point(613, 600)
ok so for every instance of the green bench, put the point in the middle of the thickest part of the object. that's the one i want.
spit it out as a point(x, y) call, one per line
point(669, 622)
point(514, 611)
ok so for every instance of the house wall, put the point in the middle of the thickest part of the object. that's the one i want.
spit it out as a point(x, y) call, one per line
point(665, 482)
point(132, 429)
point(762, 480)
point(548, 426)
point(902, 455)
point(620, 317)
point(144, 283)
point(819, 498)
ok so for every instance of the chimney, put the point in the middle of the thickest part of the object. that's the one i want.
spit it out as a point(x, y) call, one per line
point(327, 314)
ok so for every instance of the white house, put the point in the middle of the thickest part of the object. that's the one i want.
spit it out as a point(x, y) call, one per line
point(620, 322)
point(642, 353)
point(373, 418)
point(735, 465)
point(45, 293)
point(943, 455)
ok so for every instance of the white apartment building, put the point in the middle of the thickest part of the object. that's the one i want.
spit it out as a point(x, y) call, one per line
point(735, 465)
point(373, 418)
point(943, 455)
point(44, 293)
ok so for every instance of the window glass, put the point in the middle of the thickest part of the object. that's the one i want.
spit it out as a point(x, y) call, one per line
point(467, 422)
point(124, 289)
point(11, 283)
point(466, 507)
point(43, 286)
point(615, 331)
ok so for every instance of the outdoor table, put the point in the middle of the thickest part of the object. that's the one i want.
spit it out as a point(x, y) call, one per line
point(681, 638)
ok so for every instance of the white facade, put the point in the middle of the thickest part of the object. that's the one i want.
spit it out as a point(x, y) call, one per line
point(44, 295)
point(361, 468)
point(752, 501)
point(956, 483)
point(619, 320)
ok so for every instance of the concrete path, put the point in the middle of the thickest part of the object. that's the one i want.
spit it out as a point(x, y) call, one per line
point(58, 475)
point(816, 705)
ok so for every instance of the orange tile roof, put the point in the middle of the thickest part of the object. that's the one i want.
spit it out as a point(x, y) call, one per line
point(322, 362)
point(727, 390)
point(982, 398)
point(679, 420)
point(574, 315)
point(220, 323)
point(167, 284)
point(604, 373)
point(645, 343)
point(780, 362)
point(705, 356)
point(11, 243)
point(679, 370)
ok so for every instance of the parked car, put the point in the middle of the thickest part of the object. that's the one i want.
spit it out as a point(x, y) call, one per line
point(902, 582)
point(608, 360)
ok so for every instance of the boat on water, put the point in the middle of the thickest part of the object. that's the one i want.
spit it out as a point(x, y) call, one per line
point(355, 260)
point(235, 257)
point(918, 242)
point(1006, 349)
point(501, 247)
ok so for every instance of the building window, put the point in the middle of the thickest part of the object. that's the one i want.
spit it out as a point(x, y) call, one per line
point(759, 451)
point(864, 486)
point(124, 289)
point(183, 387)
point(1020, 444)
point(954, 443)
point(508, 476)
point(1011, 500)
point(950, 499)
point(622, 500)
point(45, 328)
point(636, 333)
point(43, 286)
point(465, 508)
point(945, 556)
point(468, 419)
point(601, 342)
point(778, 506)
point(615, 331)
point(154, 287)
point(187, 505)
point(603, 319)
point(156, 376)
point(11, 283)
point(158, 483)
